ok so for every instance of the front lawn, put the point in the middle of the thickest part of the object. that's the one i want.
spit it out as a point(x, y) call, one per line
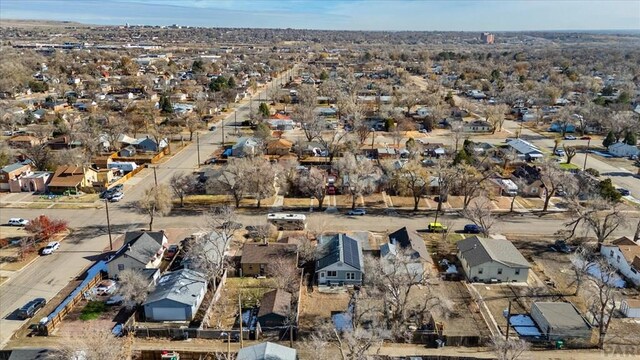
point(92, 310)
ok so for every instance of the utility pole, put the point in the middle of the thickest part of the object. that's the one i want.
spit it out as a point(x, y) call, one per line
point(240, 308)
point(235, 119)
point(508, 318)
point(106, 206)
point(155, 176)
point(223, 134)
point(198, 146)
point(586, 154)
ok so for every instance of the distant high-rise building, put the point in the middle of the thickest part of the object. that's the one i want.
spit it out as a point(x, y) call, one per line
point(487, 38)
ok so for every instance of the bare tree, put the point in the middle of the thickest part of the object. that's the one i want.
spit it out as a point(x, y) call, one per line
point(284, 274)
point(510, 349)
point(93, 344)
point(636, 235)
point(39, 154)
point(581, 262)
point(479, 212)
point(570, 152)
point(353, 344)
point(331, 141)
point(230, 180)
point(134, 287)
point(314, 184)
point(552, 178)
point(259, 177)
point(468, 182)
point(598, 215)
point(411, 179)
point(156, 201)
point(361, 175)
point(181, 184)
point(604, 300)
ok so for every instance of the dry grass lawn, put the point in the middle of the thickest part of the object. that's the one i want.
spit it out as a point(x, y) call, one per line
point(374, 201)
point(317, 307)
point(300, 202)
point(225, 310)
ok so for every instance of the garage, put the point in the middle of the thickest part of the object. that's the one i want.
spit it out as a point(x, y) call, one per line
point(177, 296)
point(168, 313)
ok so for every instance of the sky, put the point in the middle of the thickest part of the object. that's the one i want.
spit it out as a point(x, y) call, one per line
point(418, 15)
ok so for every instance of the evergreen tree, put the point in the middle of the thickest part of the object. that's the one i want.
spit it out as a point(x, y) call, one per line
point(609, 140)
point(461, 157)
point(231, 83)
point(165, 104)
point(608, 191)
point(264, 109)
point(630, 138)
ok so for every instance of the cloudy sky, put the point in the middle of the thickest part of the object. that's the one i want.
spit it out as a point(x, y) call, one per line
point(454, 15)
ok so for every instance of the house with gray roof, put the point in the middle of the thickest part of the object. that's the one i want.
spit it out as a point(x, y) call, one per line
point(245, 146)
point(524, 149)
point(177, 296)
point(342, 262)
point(560, 321)
point(140, 250)
point(267, 351)
point(489, 260)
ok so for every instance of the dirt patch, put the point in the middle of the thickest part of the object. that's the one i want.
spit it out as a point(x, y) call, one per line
point(300, 202)
point(466, 319)
point(73, 325)
point(317, 307)
point(226, 309)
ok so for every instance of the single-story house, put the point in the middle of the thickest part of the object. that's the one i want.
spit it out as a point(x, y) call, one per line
point(624, 254)
point(630, 308)
point(281, 124)
point(410, 241)
point(275, 309)
point(140, 250)
point(177, 296)
point(488, 260)
point(477, 126)
point(533, 186)
point(34, 182)
point(149, 144)
point(13, 172)
point(524, 149)
point(560, 321)
point(279, 147)
point(507, 186)
point(72, 178)
point(63, 142)
point(23, 141)
point(245, 146)
point(127, 151)
point(211, 247)
point(341, 262)
point(623, 150)
point(255, 257)
point(267, 351)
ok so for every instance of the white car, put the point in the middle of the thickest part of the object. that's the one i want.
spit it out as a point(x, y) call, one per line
point(50, 248)
point(359, 212)
point(116, 197)
point(18, 222)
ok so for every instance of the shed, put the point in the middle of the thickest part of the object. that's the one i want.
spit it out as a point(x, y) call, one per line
point(560, 321)
point(630, 308)
point(267, 351)
point(275, 308)
point(177, 296)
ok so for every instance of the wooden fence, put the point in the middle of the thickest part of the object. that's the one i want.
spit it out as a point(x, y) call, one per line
point(216, 296)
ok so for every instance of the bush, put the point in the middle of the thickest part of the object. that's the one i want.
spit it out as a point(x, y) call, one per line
point(593, 172)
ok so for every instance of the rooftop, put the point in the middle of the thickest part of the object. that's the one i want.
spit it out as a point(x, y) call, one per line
point(561, 315)
point(477, 251)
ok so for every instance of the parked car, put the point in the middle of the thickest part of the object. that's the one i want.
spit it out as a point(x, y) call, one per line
point(561, 246)
point(116, 197)
point(50, 248)
point(30, 308)
point(117, 188)
point(235, 337)
point(231, 225)
point(559, 152)
point(213, 128)
point(210, 161)
point(115, 300)
point(107, 194)
point(472, 229)
point(18, 222)
point(171, 251)
point(436, 227)
point(623, 192)
point(570, 137)
point(585, 138)
point(106, 287)
point(357, 212)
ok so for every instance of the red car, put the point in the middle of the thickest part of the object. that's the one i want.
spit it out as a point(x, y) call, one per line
point(585, 138)
point(171, 252)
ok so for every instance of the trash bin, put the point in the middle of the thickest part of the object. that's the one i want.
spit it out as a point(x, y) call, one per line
point(559, 344)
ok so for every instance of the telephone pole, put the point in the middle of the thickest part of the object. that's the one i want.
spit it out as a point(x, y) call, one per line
point(240, 308)
point(198, 146)
point(106, 206)
point(155, 176)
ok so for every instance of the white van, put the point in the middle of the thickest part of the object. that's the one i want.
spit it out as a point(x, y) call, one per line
point(18, 222)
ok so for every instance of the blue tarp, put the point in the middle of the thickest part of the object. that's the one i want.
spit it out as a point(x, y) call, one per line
point(524, 325)
point(227, 152)
point(91, 273)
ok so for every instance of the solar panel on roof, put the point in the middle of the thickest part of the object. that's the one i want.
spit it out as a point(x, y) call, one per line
point(350, 252)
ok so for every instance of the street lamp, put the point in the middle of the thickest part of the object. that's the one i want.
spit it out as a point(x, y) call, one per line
point(586, 154)
point(106, 204)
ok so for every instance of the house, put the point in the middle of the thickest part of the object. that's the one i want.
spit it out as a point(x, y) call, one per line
point(624, 254)
point(213, 248)
point(524, 149)
point(23, 141)
point(32, 182)
point(411, 242)
point(149, 144)
point(177, 296)
point(489, 260)
point(410, 265)
point(507, 186)
point(72, 178)
point(281, 124)
point(127, 151)
point(245, 146)
point(256, 257)
point(63, 142)
point(341, 263)
point(623, 150)
point(13, 172)
point(560, 321)
point(279, 147)
point(630, 308)
point(267, 351)
point(477, 126)
point(275, 309)
point(531, 179)
point(140, 250)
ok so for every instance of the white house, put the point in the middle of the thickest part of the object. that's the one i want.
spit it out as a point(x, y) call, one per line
point(623, 150)
point(630, 308)
point(624, 255)
point(141, 250)
point(486, 260)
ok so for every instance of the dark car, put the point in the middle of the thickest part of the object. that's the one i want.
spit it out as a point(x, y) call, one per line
point(561, 246)
point(472, 229)
point(171, 252)
point(107, 194)
point(231, 225)
point(235, 337)
point(30, 308)
point(623, 192)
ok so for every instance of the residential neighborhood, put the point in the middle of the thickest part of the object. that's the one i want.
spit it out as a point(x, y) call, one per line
point(183, 192)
